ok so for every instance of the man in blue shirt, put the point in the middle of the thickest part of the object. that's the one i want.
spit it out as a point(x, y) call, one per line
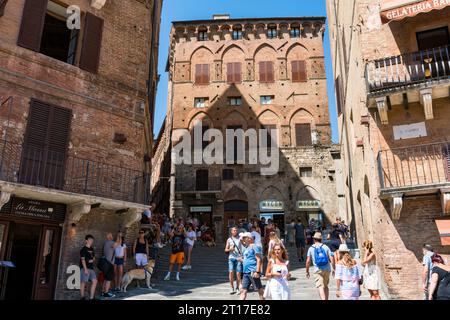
point(252, 266)
point(322, 268)
point(427, 251)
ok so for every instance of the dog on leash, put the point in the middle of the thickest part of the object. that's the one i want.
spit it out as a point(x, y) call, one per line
point(138, 274)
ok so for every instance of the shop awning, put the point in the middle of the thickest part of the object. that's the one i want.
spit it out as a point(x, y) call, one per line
point(444, 231)
point(400, 9)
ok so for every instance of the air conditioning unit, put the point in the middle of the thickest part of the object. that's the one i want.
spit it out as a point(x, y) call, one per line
point(98, 4)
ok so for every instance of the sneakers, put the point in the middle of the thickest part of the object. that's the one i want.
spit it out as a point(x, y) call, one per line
point(186, 267)
point(167, 277)
point(108, 295)
point(159, 245)
point(178, 277)
point(232, 291)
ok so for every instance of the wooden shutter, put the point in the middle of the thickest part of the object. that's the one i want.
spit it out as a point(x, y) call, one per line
point(299, 73)
point(45, 145)
point(198, 73)
point(237, 72)
point(205, 74)
point(295, 71)
point(303, 134)
point(230, 72)
point(32, 25)
point(262, 72)
point(269, 127)
point(92, 43)
point(270, 74)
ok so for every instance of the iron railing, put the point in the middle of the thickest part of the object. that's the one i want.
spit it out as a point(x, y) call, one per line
point(191, 185)
point(39, 166)
point(408, 69)
point(420, 165)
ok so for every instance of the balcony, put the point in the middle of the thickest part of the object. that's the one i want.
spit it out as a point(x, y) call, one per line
point(39, 167)
point(410, 69)
point(415, 170)
point(213, 185)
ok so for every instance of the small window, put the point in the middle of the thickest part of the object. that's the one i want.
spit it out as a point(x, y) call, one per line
point(267, 100)
point(228, 174)
point(237, 34)
point(306, 172)
point(202, 35)
point(235, 101)
point(434, 38)
point(295, 32)
point(201, 102)
point(201, 180)
point(272, 33)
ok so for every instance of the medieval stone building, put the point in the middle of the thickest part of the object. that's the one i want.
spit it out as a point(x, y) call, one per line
point(76, 134)
point(252, 73)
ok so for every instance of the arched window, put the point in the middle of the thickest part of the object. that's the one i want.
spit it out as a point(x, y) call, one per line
point(237, 33)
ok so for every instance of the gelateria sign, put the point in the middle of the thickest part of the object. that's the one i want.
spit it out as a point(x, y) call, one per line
point(308, 205)
point(271, 205)
point(400, 9)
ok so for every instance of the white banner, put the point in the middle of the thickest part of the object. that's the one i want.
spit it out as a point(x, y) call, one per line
point(409, 131)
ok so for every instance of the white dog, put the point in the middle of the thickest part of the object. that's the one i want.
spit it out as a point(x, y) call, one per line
point(138, 274)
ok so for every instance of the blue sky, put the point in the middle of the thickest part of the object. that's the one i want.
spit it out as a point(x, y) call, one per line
point(176, 10)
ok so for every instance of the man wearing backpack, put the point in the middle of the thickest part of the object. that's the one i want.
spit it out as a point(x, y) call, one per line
point(320, 255)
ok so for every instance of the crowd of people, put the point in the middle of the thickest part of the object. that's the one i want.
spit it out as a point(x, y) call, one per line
point(251, 246)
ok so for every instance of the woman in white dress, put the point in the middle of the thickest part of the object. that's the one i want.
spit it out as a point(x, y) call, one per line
point(371, 274)
point(277, 287)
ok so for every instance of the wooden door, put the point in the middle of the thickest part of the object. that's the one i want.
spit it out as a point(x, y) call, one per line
point(47, 263)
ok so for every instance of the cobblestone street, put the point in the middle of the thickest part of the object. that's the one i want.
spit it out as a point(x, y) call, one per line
point(208, 280)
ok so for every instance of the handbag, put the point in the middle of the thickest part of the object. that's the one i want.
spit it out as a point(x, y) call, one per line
point(267, 294)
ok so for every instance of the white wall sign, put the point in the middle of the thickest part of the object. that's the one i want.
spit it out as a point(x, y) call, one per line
point(200, 209)
point(271, 205)
point(408, 131)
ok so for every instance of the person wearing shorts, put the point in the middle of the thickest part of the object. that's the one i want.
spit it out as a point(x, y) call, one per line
point(234, 249)
point(141, 250)
point(252, 266)
point(177, 256)
point(321, 273)
point(120, 255)
point(87, 273)
point(300, 239)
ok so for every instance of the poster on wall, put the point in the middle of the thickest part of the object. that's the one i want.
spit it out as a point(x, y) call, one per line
point(409, 131)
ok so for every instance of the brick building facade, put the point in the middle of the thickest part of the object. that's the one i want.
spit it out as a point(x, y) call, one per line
point(76, 134)
point(392, 70)
point(253, 73)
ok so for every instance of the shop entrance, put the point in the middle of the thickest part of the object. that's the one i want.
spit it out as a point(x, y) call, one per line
point(278, 219)
point(34, 249)
point(235, 210)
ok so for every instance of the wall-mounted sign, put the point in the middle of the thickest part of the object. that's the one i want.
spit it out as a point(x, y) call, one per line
point(308, 205)
point(271, 205)
point(35, 209)
point(409, 131)
point(200, 209)
point(399, 9)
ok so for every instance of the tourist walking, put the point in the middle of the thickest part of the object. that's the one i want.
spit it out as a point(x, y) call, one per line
point(87, 273)
point(337, 238)
point(106, 265)
point(277, 287)
point(371, 275)
point(320, 256)
point(428, 252)
point(252, 266)
point(141, 250)
point(273, 240)
point(347, 276)
point(300, 239)
point(440, 279)
point(256, 236)
point(120, 258)
point(290, 233)
point(191, 237)
point(177, 256)
point(234, 249)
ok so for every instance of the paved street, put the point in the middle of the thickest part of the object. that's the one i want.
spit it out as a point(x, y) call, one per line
point(208, 280)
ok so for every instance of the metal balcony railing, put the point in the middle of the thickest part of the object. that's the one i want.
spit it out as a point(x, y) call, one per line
point(214, 184)
point(408, 69)
point(420, 165)
point(38, 166)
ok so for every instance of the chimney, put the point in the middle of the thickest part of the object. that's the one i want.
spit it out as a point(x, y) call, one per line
point(225, 16)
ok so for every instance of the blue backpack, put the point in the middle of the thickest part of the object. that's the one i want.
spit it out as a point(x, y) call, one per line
point(320, 256)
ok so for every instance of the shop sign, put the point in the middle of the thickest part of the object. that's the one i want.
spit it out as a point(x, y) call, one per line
point(410, 8)
point(200, 209)
point(308, 204)
point(36, 209)
point(271, 205)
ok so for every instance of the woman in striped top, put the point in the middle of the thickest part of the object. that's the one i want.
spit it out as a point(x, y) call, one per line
point(347, 276)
